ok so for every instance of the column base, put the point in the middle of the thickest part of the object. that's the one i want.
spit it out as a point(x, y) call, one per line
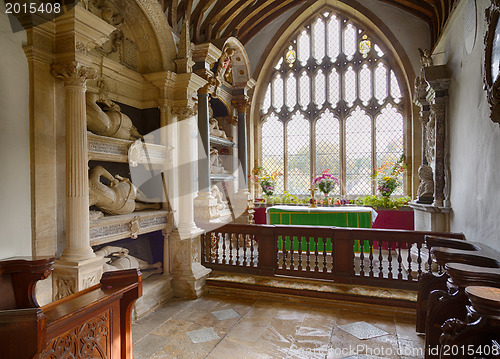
point(205, 208)
point(70, 277)
point(188, 275)
point(243, 207)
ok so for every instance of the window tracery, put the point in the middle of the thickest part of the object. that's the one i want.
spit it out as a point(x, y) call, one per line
point(333, 103)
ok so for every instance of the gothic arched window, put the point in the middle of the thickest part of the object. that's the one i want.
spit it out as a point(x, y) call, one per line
point(333, 103)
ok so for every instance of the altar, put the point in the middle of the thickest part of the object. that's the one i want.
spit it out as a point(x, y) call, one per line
point(341, 216)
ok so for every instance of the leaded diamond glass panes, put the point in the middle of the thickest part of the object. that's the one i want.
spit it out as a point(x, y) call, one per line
point(395, 90)
point(335, 98)
point(334, 87)
point(278, 93)
point(350, 44)
point(290, 91)
point(389, 137)
point(358, 144)
point(304, 90)
point(365, 84)
point(350, 86)
point(333, 38)
point(299, 154)
point(319, 88)
point(318, 38)
point(272, 148)
point(267, 100)
point(381, 83)
point(303, 47)
point(328, 146)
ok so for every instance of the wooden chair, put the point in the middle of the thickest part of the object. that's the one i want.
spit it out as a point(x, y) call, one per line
point(93, 323)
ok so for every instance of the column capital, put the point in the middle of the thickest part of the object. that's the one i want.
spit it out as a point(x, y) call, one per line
point(74, 73)
point(207, 89)
point(241, 103)
point(184, 112)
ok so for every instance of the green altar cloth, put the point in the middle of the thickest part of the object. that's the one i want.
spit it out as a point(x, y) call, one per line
point(342, 216)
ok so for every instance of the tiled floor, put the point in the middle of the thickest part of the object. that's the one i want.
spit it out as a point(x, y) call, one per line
point(222, 327)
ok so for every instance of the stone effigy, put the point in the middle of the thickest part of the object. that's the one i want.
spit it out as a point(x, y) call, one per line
point(425, 190)
point(119, 259)
point(119, 197)
point(108, 121)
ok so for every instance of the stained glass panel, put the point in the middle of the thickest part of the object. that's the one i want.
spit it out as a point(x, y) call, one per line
point(328, 146)
point(358, 144)
point(272, 148)
point(299, 154)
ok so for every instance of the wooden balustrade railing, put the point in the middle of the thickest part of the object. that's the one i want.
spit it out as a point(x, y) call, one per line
point(375, 257)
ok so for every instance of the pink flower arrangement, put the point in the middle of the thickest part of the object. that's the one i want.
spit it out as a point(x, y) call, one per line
point(326, 182)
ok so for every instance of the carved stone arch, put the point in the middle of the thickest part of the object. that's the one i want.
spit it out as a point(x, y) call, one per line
point(147, 38)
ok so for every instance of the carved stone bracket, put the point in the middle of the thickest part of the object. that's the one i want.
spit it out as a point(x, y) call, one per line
point(74, 73)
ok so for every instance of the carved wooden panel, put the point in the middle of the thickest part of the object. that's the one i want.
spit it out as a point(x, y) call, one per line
point(89, 340)
point(492, 60)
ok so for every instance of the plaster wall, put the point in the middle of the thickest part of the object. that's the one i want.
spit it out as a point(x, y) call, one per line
point(15, 202)
point(474, 138)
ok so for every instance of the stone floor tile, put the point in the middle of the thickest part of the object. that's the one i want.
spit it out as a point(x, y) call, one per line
point(229, 349)
point(248, 331)
point(226, 314)
point(363, 330)
point(173, 328)
point(203, 335)
point(149, 345)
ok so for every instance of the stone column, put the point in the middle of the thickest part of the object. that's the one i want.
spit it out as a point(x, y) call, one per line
point(205, 206)
point(243, 201)
point(438, 111)
point(78, 267)
point(185, 241)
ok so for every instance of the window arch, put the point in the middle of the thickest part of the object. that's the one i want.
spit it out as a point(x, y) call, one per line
point(338, 99)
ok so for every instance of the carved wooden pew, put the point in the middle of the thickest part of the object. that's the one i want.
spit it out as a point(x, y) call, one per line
point(94, 323)
point(452, 304)
point(447, 250)
point(479, 334)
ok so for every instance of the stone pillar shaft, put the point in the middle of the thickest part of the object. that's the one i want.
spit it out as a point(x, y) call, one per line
point(242, 149)
point(439, 171)
point(77, 193)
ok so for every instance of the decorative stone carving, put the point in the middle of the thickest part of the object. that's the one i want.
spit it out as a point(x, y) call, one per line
point(224, 63)
point(425, 190)
point(105, 11)
point(110, 121)
point(135, 153)
point(217, 194)
point(216, 165)
point(119, 259)
point(64, 286)
point(73, 73)
point(119, 197)
point(430, 139)
point(425, 57)
point(215, 130)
